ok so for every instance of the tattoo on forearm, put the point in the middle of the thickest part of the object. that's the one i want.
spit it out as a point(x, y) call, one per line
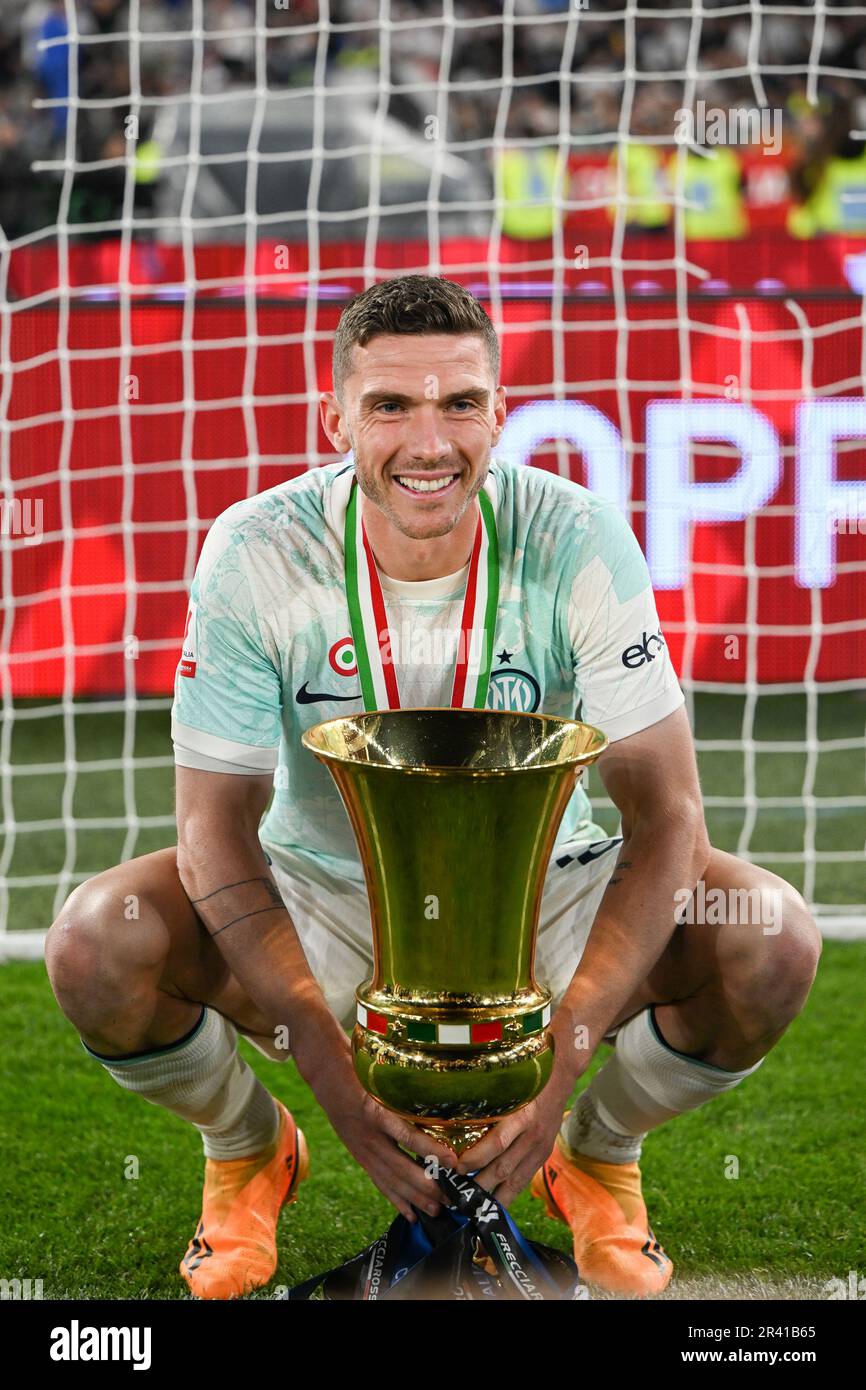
point(245, 916)
point(271, 887)
point(617, 875)
point(217, 911)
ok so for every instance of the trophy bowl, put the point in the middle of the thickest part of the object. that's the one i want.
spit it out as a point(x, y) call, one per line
point(455, 813)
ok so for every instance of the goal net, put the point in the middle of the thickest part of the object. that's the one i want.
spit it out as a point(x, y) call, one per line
point(191, 191)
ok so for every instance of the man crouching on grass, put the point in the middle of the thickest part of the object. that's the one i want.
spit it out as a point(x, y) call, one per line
point(262, 926)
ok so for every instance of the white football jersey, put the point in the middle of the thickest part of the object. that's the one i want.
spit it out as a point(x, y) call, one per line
point(268, 649)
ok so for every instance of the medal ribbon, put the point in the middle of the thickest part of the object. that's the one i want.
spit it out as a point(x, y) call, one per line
point(370, 633)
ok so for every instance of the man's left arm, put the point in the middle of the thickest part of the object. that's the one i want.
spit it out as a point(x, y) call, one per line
point(652, 779)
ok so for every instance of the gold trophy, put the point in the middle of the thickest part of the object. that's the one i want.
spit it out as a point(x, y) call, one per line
point(455, 812)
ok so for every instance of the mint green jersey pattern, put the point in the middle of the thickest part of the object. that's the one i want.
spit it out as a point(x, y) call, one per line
point(267, 651)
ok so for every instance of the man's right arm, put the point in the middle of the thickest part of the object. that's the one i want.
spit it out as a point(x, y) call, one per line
point(225, 875)
point(226, 730)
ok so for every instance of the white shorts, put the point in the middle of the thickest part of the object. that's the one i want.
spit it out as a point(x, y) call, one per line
point(332, 918)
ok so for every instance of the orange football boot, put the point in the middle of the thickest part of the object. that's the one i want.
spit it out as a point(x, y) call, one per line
point(614, 1246)
point(234, 1249)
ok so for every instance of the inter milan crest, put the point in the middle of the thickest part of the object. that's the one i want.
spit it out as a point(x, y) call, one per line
point(512, 689)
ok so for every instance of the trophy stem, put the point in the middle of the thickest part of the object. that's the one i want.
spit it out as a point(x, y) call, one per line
point(457, 1136)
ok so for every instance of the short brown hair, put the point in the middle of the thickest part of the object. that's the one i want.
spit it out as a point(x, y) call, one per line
point(412, 304)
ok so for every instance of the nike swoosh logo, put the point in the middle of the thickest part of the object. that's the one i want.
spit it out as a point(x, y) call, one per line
point(311, 697)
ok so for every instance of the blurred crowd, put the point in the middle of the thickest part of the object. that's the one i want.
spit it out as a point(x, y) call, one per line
point(513, 80)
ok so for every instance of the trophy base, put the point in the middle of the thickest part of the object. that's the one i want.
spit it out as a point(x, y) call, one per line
point(457, 1095)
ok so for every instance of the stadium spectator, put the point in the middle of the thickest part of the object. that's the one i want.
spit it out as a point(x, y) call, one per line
point(27, 200)
point(712, 187)
point(52, 64)
point(528, 172)
point(638, 163)
point(570, 67)
point(235, 46)
point(829, 178)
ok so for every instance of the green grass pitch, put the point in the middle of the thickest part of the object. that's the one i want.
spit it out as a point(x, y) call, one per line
point(73, 1219)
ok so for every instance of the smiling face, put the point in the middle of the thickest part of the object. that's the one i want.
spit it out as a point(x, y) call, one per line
point(421, 413)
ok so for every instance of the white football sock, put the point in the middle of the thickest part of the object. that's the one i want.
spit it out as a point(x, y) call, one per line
point(203, 1079)
point(643, 1084)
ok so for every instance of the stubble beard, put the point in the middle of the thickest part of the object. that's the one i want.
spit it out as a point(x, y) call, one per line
point(371, 488)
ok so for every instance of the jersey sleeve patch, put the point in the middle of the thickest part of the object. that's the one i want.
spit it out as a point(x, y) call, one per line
point(187, 658)
point(226, 687)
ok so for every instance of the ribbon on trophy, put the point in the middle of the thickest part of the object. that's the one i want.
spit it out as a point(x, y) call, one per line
point(452, 1026)
point(370, 633)
point(471, 1251)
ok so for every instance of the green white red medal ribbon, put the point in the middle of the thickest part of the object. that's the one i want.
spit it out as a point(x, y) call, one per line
point(370, 632)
